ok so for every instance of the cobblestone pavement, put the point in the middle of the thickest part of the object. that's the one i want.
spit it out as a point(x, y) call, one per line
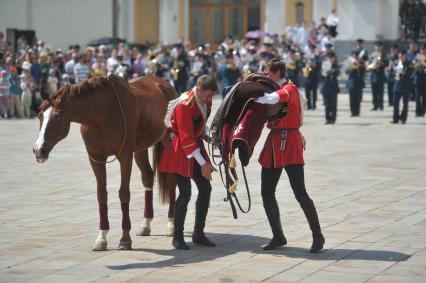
point(366, 176)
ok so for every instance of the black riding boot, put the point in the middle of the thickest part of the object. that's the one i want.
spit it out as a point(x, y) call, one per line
point(308, 208)
point(198, 236)
point(179, 221)
point(273, 213)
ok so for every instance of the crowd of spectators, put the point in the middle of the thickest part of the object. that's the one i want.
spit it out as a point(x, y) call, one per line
point(34, 70)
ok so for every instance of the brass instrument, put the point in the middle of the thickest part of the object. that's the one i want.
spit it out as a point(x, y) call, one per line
point(175, 71)
point(419, 63)
point(308, 68)
point(375, 65)
point(354, 64)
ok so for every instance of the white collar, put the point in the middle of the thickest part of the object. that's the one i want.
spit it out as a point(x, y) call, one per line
point(201, 105)
point(281, 82)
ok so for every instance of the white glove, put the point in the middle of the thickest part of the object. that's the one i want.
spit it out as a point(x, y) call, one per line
point(268, 98)
point(198, 157)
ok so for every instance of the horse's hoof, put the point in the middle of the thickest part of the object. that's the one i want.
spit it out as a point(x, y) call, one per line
point(125, 245)
point(169, 231)
point(144, 231)
point(100, 245)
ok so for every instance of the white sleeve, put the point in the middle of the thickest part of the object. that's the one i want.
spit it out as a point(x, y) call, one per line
point(198, 156)
point(269, 98)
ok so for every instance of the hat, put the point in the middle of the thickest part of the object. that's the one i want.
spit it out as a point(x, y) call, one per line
point(328, 45)
point(360, 40)
point(312, 46)
point(65, 76)
point(12, 68)
point(26, 65)
point(3, 72)
point(423, 46)
point(378, 43)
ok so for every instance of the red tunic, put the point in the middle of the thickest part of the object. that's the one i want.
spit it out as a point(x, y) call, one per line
point(273, 155)
point(188, 124)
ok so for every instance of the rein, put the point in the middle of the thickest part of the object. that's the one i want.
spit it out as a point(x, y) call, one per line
point(124, 137)
point(226, 182)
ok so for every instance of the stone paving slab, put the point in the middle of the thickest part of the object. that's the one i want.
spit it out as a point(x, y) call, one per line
point(365, 175)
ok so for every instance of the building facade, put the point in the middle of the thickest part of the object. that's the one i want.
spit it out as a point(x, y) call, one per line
point(61, 22)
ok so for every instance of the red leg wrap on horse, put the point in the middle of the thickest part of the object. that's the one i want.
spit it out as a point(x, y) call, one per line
point(172, 203)
point(103, 216)
point(125, 221)
point(148, 211)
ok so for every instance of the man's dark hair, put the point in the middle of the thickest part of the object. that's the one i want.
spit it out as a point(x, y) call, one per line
point(206, 82)
point(275, 65)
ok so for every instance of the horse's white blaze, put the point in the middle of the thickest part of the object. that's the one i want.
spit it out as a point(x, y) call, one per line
point(102, 235)
point(40, 140)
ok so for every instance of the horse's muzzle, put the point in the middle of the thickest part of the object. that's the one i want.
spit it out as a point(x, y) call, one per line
point(41, 154)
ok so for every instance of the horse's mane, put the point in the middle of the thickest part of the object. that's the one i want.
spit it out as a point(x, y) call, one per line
point(87, 87)
point(84, 89)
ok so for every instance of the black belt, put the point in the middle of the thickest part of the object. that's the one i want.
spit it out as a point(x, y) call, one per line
point(284, 132)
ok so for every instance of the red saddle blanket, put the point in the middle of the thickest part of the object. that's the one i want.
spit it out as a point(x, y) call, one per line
point(239, 121)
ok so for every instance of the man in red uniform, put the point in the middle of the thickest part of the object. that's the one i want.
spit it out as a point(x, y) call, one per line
point(186, 156)
point(284, 149)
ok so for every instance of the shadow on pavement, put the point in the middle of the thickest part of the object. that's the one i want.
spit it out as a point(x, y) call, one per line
point(230, 244)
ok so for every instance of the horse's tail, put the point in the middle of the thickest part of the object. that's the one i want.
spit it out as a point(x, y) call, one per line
point(166, 181)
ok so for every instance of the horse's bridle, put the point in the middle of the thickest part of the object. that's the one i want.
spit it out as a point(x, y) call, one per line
point(125, 128)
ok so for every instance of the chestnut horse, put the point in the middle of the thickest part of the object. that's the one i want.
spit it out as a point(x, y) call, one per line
point(117, 118)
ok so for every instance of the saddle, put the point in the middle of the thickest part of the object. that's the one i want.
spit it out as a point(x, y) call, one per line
point(239, 121)
point(238, 124)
